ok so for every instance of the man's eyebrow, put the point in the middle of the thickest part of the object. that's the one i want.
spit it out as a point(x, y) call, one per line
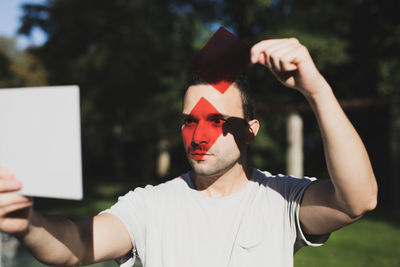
point(212, 115)
point(218, 115)
point(185, 116)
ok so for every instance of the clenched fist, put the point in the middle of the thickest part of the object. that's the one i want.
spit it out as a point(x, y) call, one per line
point(291, 63)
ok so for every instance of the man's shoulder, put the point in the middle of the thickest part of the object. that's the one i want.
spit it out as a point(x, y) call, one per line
point(266, 179)
point(178, 182)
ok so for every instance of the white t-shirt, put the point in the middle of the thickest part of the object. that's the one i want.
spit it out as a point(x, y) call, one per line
point(173, 225)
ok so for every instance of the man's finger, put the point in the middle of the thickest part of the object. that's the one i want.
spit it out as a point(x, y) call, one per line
point(262, 59)
point(277, 56)
point(13, 198)
point(259, 48)
point(292, 58)
point(14, 207)
point(287, 63)
point(287, 66)
point(6, 173)
point(10, 185)
point(269, 45)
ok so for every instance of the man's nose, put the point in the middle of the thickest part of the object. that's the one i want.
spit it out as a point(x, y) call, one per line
point(201, 134)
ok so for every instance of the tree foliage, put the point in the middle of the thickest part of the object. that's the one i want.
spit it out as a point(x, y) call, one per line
point(19, 68)
point(131, 58)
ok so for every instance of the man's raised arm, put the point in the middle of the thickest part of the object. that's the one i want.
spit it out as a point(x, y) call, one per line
point(352, 190)
point(56, 240)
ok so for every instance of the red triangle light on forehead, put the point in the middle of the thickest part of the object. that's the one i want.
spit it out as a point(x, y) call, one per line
point(221, 60)
point(203, 107)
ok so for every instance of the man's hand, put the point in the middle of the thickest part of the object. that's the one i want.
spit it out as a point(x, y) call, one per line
point(290, 62)
point(15, 209)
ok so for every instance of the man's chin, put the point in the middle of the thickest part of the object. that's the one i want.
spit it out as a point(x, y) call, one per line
point(197, 163)
point(201, 168)
point(205, 166)
point(204, 172)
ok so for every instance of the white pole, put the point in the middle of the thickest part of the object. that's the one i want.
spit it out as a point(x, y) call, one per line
point(164, 158)
point(294, 156)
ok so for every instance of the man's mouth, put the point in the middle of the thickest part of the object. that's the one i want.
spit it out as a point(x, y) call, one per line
point(198, 154)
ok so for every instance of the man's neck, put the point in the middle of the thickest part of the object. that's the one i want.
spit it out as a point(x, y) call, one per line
point(228, 183)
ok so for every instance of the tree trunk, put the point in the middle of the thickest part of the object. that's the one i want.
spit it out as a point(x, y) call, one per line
point(294, 157)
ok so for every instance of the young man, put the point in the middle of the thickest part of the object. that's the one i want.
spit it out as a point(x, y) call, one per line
point(221, 213)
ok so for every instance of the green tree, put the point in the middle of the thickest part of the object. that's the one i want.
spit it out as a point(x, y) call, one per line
point(19, 68)
point(131, 60)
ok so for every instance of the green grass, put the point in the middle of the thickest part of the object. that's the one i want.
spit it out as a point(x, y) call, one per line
point(373, 241)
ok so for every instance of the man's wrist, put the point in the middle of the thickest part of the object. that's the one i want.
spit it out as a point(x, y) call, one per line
point(320, 90)
point(23, 235)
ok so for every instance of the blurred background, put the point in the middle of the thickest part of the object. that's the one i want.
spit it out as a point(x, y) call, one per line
point(130, 59)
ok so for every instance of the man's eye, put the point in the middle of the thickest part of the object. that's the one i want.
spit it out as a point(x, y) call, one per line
point(218, 121)
point(189, 122)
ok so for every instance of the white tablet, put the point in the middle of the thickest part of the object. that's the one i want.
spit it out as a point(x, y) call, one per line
point(40, 139)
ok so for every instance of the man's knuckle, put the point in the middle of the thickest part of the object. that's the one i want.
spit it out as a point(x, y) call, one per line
point(303, 47)
point(259, 46)
point(285, 59)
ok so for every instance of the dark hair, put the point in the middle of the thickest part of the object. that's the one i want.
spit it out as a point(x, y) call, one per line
point(241, 82)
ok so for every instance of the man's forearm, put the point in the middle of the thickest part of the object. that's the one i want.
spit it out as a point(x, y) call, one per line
point(346, 157)
point(56, 241)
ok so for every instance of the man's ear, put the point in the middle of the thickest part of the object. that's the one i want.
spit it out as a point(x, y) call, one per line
point(254, 126)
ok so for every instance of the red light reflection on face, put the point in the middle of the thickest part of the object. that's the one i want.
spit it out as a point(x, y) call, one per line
point(201, 129)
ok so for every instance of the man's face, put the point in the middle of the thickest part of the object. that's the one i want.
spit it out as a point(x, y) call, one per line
point(213, 129)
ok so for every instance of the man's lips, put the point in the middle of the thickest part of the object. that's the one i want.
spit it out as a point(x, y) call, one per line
point(198, 154)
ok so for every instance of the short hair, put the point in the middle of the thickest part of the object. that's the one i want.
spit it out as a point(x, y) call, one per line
point(241, 82)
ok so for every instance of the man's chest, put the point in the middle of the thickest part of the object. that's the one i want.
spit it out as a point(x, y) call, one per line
point(242, 233)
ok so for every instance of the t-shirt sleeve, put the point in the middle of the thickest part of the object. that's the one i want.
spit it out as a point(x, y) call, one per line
point(132, 210)
point(296, 192)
